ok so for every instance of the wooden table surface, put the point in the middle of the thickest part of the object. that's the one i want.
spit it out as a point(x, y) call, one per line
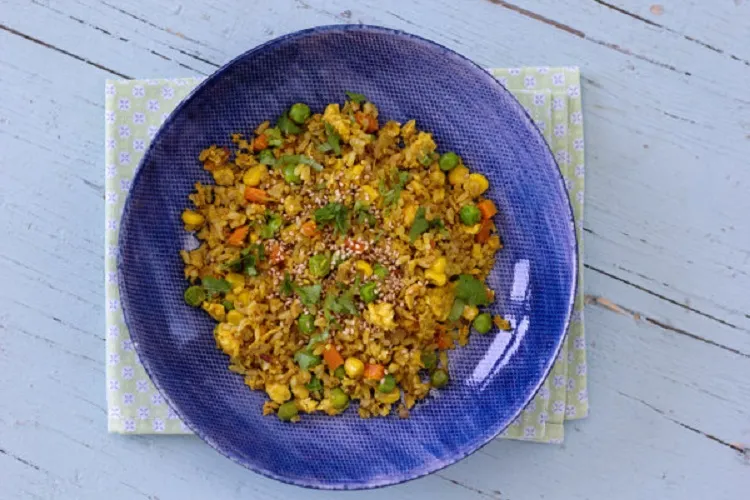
point(667, 235)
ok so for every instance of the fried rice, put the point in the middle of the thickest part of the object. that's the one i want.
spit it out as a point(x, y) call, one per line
point(341, 259)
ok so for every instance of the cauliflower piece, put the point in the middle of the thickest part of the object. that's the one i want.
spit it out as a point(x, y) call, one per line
point(381, 314)
point(279, 393)
point(436, 272)
point(223, 176)
point(440, 301)
point(216, 311)
point(333, 116)
point(422, 146)
point(226, 341)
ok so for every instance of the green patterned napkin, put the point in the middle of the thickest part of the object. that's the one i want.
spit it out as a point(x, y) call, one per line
point(134, 110)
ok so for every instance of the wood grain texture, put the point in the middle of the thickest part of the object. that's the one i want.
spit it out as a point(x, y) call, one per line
point(667, 105)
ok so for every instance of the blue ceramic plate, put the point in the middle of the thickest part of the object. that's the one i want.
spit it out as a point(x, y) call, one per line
point(534, 278)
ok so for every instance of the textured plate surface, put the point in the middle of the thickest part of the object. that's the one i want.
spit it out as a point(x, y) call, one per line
point(534, 278)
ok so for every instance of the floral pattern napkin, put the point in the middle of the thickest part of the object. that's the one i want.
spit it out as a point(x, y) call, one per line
point(134, 110)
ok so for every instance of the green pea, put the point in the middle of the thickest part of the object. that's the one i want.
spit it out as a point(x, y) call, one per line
point(339, 399)
point(228, 305)
point(387, 385)
point(429, 360)
point(448, 161)
point(195, 295)
point(470, 215)
point(367, 292)
point(482, 323)
point(290, 175)
point(266, 157)
point(339, 372)
point(380, 271)
point(319, 265)
point(306, 323)
point(287, 411)
point(299, 112)
point(439, 379)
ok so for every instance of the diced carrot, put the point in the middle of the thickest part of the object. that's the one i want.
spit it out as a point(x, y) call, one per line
point(309, 228)
point(332, 357)
point(487, 208)
point(368, 122)
point(484, 231)
point(355, 246)
point(256, 195)
point(237, 238)
point(444, 341)
point(374, 372)
point(275, 254)
point(260, 142)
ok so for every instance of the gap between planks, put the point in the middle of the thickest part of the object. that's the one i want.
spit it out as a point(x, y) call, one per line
point(741, 448)
point(580, 34)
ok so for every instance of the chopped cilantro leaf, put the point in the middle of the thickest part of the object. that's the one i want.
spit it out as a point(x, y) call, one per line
point(314, 385)
point(335, 214)
point(286, 125)
point(215, 285)
point(419, 226)
point(299, 159)
point(273, 224)
point(334, 140)
point(356, 97)
point(471, 290)
point(305, 359)
point(318, 338)
point(340, 304)
point(308, 295)
point(363, 214)
point(398, 181)
point(287, 286)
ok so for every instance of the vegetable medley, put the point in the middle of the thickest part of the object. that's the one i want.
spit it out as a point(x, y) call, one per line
point(341, 258)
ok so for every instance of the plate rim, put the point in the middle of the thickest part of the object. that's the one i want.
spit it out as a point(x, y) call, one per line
point(416, 472)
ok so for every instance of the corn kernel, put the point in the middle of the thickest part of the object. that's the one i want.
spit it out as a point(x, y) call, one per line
point(440, 279)
point(300, 392)
point(216, 311)
point(476, 251)
point(410, 213)
point(354, 368)
point(369, 193)
point(243, 298)
point(292, 205)
point(192, 218)
point(476, 184)
point(236, 280)
point(390, 397)
point(470, 312)
point(363, 266)
point(472, 229)
point(439, 265)
point(255, 175)
point(437, 177)
point(458, 175)
point(279, 393)
point(234, 317)
point(355, 171)
point(438, 195)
